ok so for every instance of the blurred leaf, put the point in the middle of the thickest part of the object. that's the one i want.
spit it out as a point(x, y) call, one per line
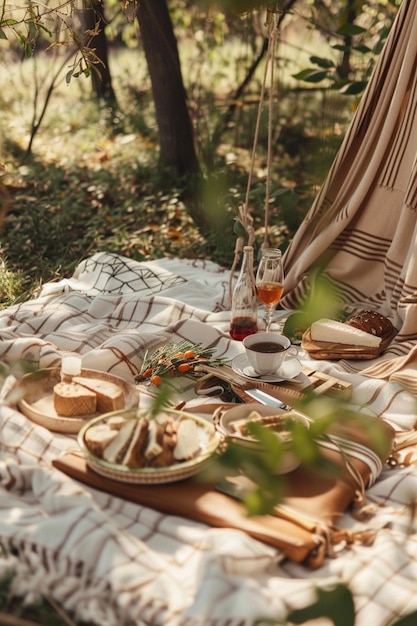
point(28, 50)
point(32, 30)
point(352, 89)
point(340, 47)
point(311, 75)
point(238, 229)
point(350, 30)
point(322, 62)
point(161, 398)
point(362, 48)
point(336, 603)
point(409, 620)
point(238, 6)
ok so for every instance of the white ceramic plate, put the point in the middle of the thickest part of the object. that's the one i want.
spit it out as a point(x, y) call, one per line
point(209, 442)
point(37, 401)
point(224, 424)
point(289, 369)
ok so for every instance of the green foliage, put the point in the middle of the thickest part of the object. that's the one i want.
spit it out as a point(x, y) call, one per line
point(408, 620)
point(335, 603)
point(42, 611)
point(349, 70)
point(11, 284)
point(240, 6)
point(321, 301)
point(262, 464)
point(161, 399)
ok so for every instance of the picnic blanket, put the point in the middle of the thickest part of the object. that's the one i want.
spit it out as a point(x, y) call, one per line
point(360, 233)
point(116, 562)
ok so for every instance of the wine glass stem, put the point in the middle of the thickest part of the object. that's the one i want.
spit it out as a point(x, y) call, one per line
point(268, 318)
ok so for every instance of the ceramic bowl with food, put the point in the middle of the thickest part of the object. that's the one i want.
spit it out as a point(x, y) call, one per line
point(232, 425)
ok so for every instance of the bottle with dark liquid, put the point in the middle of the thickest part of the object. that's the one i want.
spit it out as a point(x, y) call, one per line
point(244, 300)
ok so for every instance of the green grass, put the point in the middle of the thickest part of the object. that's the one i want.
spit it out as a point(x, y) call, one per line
point(90, 185)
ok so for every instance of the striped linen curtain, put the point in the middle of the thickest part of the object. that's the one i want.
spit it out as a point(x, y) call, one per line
point(361, 231)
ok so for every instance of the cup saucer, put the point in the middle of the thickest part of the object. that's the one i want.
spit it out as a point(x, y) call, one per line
point(288, 370)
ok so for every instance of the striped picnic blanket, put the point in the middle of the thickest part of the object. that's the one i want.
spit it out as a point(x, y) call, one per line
point(360, 233)
point(118, 563)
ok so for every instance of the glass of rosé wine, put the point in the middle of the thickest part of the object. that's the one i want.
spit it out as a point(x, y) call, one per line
point(270, 282)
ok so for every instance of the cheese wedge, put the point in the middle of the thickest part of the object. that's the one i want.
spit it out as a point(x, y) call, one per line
point(110, 396)
point(332, 331)
point(71, 399)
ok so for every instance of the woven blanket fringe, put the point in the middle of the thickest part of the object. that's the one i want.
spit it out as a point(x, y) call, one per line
point(39, 576)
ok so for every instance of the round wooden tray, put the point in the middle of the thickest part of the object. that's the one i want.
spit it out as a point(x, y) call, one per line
point(36, 398)
point(337, 351)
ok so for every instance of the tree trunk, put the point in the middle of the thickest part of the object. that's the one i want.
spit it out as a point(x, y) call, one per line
point(176, 138)
point(94, 37)
point(344, 67)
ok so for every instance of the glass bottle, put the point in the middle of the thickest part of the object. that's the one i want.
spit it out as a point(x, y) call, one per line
point(244, 312)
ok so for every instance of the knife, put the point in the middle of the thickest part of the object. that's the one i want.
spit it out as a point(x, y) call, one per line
point(265, 398)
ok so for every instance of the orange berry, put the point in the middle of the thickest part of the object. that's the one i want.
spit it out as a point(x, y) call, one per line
point(189, 354)
point(156, 380)
point(183, 368)
point(147, 373)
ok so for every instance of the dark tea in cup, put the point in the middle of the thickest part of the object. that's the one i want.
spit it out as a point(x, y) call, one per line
point(267, 346)
point(266, 351)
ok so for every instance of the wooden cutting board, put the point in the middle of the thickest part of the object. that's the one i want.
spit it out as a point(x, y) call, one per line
point(331, 351)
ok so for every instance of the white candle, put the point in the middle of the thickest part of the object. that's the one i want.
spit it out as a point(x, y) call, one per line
point(71, 365)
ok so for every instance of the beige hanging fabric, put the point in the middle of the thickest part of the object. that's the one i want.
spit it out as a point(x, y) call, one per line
point(361, 232)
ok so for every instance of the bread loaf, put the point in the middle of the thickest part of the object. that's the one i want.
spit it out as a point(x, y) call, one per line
point(187, 440)
point(71, 400)
point(110, 396)
point(116, 450)
point(115, 422)
point(155, 440)
point(98, 437)
point(135, 456)
point(372, 322)
point(169, 441)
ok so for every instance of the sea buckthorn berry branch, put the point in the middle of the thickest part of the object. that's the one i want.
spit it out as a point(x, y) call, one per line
point(175, 359)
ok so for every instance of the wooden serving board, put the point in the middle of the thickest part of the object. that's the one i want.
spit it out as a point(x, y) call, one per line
point(326, 384)
point(287, 391)
point(331, 351)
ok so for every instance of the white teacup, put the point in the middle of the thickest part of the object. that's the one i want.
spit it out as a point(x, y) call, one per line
point(267, 351)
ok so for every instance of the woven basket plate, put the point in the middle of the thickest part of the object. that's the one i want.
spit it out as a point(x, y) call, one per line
point(209, 443)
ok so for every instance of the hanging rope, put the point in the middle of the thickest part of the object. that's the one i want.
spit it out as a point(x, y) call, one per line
point(244, 217)
point(273, 40)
